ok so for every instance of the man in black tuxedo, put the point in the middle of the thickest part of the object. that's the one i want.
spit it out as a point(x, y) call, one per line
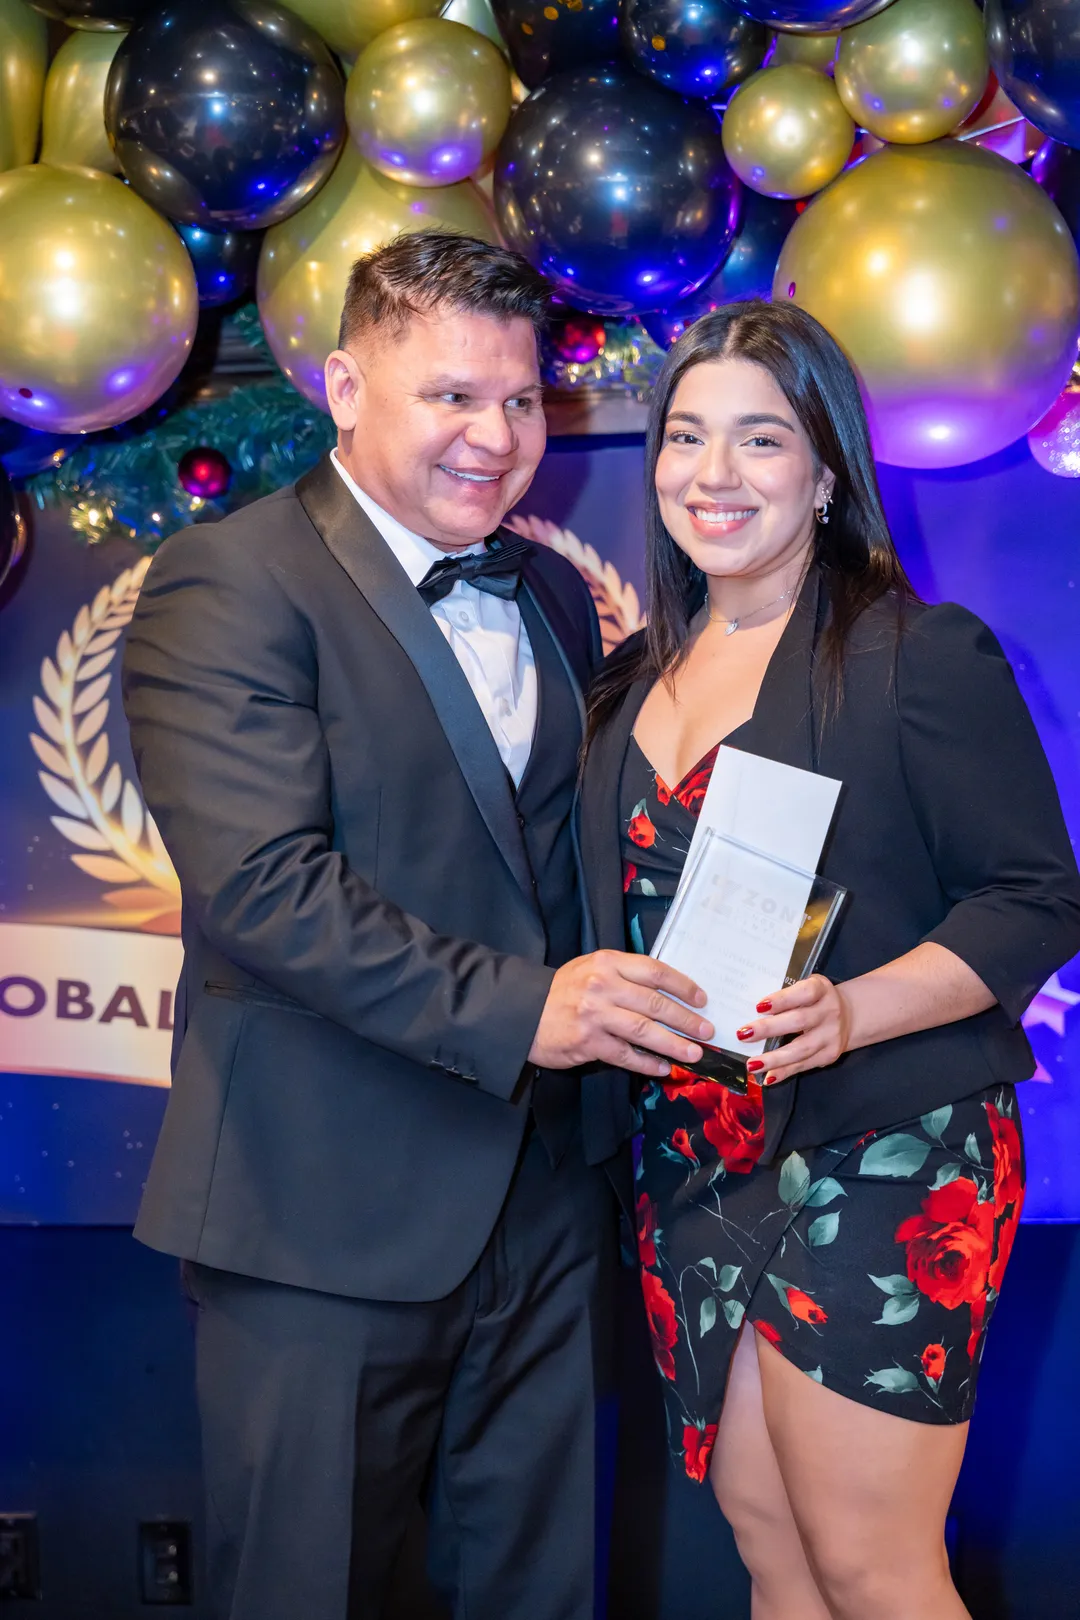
point(357, 725)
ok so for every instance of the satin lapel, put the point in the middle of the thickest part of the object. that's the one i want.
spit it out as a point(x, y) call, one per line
point(602, 862)
point(358, 547)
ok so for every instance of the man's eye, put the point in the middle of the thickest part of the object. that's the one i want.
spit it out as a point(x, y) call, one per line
point(453, 399)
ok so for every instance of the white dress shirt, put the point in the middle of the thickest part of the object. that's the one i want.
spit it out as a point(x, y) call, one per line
point(486, 636)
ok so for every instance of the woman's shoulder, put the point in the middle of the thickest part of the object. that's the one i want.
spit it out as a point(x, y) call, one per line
point(914, 630)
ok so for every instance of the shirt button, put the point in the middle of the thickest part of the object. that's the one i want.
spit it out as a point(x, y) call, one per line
point(464, 617)
point(503, 709)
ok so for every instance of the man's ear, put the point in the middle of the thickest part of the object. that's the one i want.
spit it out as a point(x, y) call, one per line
point(344, 384)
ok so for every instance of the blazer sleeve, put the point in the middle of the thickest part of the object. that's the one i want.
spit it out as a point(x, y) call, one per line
point(987, 806)
point(220, 685)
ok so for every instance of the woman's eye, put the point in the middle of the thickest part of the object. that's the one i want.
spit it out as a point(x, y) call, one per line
point(680, 436)
point(764, 441)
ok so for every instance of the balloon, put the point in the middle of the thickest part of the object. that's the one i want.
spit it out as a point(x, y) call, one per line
point(73, 116)
point(204, 471)
point(349, 25)
point(953, 284)
point(697, 47)
point(478, 15)
point(305, 262)
point(24, 452)
point(1057, 170)
point(812, 16)
point(915, 71)
point(812, 50)
point(227, 114)
point(225, 262)
point(1055, 440)
point(579, 340)
point(97, 300)
point(23, 54)
point(12, 527)
point(544, 39)
point(97, 16)
point(428, 101)
point(747, 272)
point(1035, 52)
point(616, 189)
point(786, 133)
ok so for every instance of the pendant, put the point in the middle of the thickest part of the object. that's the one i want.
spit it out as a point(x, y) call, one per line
point(733, 625)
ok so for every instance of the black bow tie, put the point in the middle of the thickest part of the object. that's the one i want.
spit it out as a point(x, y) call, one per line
point(496, 570)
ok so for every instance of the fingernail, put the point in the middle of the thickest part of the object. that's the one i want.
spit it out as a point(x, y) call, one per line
point(745, 1034)
point(700, 999)
point(770, 1079)
point(764, 1006)
point(754, 1065)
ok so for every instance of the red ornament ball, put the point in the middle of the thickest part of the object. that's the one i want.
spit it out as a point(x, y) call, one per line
point(579, 340)
point(205, 471)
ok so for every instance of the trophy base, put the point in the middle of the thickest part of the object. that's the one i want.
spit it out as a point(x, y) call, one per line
point(718, 1064)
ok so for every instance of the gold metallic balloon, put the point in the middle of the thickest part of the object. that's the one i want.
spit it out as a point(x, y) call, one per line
point(475, 14)
point(305, 261)
point(73, 116)
point(786, 133)
point(952, 282)
point(348, 25)
point(915, 71)
point(23, 54)
point(815, 50)
point(98, 303)
point(428, 101)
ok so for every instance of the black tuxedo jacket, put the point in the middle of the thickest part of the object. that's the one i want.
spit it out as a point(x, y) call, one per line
point(364, 967)
point(948, 829)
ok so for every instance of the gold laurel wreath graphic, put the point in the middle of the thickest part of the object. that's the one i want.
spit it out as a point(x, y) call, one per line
point(617, 604)
point(103, 814)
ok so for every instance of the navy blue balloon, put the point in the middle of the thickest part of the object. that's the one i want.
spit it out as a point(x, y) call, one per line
point(697, 47)
point(617, 190)
point(747, 272)
point(544, 39)
point(812, 16)
point(1035, 52)
point(228, 114)
point(25, 451)
point(225, 262)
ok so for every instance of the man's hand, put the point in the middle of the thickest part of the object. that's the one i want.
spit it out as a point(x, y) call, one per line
point(602, 1008)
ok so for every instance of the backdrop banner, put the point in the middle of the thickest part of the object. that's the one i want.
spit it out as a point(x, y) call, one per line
point(89, 902)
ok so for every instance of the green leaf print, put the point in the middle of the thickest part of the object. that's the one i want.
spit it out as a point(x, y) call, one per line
point(947, 1173)
point(734, 1310)
point(729, 1276)
point(894, 1284)
point(816, 1375)
point(896, 1155)
point(934, 1124)
point(823, 1192)
point(635, 935)
point(781, 1289)
point(823, 1230)
point(794, 1181)
point(899, 1309)
point(709, 1263)
point(647, 887)
point(895, 1380)
point(708, 1316)
point(971, 1149)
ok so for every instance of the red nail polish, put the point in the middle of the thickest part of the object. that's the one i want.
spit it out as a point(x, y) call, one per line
point(754, 1065)
point(764, 1006)
point(745, 1034)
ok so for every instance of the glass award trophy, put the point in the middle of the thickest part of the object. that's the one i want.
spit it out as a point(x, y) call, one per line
point(742, 925)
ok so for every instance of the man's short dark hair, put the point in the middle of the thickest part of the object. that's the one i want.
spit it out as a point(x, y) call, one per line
point(427, 270)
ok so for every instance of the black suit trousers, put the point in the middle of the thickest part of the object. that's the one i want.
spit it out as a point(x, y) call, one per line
point(325, 1418)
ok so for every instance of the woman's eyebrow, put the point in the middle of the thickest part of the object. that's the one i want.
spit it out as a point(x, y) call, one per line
point(764, 420)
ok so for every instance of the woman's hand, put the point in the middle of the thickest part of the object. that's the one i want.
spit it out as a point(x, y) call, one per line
point(813, 1010)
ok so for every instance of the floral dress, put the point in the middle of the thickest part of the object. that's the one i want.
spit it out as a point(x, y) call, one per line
point(871, 1263)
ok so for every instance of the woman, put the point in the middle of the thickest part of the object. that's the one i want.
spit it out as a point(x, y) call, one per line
point(821, 1258)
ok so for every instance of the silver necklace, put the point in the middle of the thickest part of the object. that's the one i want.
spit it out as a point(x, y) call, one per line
point(733, 624)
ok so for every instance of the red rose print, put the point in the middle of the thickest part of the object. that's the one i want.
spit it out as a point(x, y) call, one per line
point(660, 1309)
point(697, 1449)
point(735, 1127)
point(1008, 1182)
point(641, 831)
point(646, 1230)
point(949, 1244)
point(1005, 1238)
point(663, 792)
point(629, 874)
point(768, 1332)
point(933, 1361)
point(694, 786)
point(684, 1083)
point(803, 1308)
point(978, 1317)
point(680, 1141)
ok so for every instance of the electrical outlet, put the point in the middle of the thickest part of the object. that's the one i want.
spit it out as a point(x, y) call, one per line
point(19, 1556)
point(165, 1561)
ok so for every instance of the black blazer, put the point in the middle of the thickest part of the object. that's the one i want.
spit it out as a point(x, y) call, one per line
point(948, 829)
point(364, 966)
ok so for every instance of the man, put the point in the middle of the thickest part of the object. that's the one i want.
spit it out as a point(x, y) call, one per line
point(357, 728)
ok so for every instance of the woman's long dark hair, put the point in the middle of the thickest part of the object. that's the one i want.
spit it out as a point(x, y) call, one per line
point(854, 551)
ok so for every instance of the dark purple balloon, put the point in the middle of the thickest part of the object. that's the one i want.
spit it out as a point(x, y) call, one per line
point(697, 47)
point(544, 39)
point(225, 262)
point(812, 16)
point(747, 272)
point(617, 190)
point(1035, 52)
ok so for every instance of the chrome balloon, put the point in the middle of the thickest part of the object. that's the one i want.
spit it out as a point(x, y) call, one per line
point(697, 47)
point(1035, 52)
point(73, 114)
point(228, 115)
point(915, 71)
point(225, 262)
point(812, 16)
point(747, 272)
point(616, 189)
point(544, 39)
point(23, 55)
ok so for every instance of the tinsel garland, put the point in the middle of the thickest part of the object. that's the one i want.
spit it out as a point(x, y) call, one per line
point(628, 363)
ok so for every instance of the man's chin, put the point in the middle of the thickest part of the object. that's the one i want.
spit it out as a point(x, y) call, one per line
point(464, 520)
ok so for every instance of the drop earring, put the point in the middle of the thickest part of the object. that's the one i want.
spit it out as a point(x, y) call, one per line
point(822, 512)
